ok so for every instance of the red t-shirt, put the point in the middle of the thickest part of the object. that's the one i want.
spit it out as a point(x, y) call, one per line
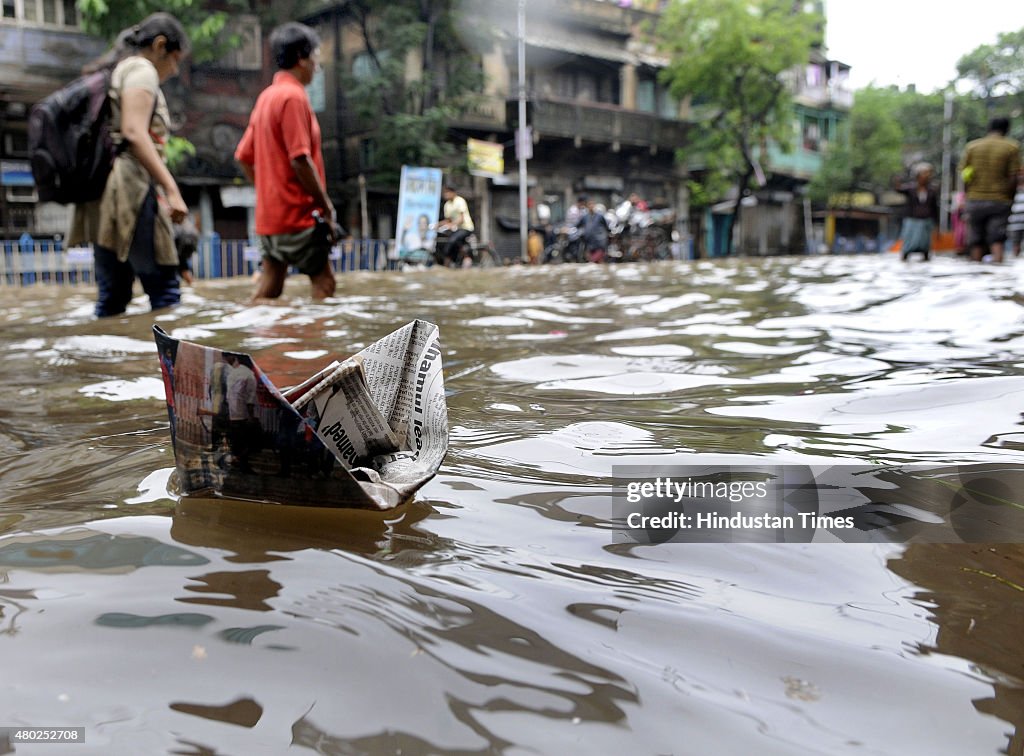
point(282, 127)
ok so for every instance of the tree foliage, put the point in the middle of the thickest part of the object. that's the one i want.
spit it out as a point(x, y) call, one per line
point(411, 114)
point(868, 152)
point(890, 129)
point(996, 68)
point(729, 56)
point(207, 23)
point(204, 27)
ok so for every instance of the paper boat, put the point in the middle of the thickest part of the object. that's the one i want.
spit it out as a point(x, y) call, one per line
point(365, 432)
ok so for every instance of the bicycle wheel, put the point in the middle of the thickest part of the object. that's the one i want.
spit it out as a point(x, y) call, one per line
point(654, 240)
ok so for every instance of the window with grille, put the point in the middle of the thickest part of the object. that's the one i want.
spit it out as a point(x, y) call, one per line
point(40, 12)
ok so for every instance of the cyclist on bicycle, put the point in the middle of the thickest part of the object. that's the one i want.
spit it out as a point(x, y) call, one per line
point(458, 221)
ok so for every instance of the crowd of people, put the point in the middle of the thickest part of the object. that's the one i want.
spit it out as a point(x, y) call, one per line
point(598, 234)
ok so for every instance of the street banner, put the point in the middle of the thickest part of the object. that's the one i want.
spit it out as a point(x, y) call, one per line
point(419, 205)
point(485, 158)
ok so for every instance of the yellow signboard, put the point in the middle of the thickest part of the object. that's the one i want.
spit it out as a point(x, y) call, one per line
point(485, 158)
point(852, 199)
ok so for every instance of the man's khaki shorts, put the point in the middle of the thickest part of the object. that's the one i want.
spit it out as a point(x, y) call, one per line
point(305, 249)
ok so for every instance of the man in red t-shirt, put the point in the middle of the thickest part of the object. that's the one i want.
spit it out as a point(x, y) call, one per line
point(280, 153)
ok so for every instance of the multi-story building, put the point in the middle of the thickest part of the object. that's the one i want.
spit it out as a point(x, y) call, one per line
point(776, 217)
point(41, 49)
point(601, 122)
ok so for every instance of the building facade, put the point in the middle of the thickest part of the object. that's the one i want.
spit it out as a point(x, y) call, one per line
point(600, 123)
point(42, 48)
point(777, 217)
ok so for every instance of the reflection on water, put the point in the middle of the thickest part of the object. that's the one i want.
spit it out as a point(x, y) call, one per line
point(975, 596)
point(495, 613)
point(88, 551)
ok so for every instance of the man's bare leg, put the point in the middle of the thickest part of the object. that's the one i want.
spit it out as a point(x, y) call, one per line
point(271, 281)
point(323, 283)
point(997, 252)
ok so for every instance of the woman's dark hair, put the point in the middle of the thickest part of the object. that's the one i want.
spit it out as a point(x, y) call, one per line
point(291, 42)
point(129, 41)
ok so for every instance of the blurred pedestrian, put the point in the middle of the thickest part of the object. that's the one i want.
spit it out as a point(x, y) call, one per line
point(989, 168)
point(595, 230)
point(576, 211)
point(639, 203)
point(129, 226)
point(281, 154)
point(1015, 223)
point(959, 223)
point(922, 211)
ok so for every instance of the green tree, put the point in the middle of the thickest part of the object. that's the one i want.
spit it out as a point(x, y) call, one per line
point(204, 27)
point(868, 152)
point(411, 114)
point(205, 22)
point(995, 68)
point(729, 57)
point(995, 74)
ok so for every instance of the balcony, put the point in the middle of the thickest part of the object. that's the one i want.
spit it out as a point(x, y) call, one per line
point(799, 162)
point(608, 124)
point(841, 96)
point(486, 112)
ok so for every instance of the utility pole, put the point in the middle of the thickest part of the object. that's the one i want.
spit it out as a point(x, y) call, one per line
point(522, 136)
point(947, 169)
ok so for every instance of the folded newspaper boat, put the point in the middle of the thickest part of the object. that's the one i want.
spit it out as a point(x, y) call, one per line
point(365, 432)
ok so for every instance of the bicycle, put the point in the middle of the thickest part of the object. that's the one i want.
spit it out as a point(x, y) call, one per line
point(471, 253)
point(652, 243)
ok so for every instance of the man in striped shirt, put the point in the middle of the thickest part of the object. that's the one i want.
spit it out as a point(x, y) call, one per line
point(989, 168)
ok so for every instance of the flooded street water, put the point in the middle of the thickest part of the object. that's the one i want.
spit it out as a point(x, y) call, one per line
point(495, 613)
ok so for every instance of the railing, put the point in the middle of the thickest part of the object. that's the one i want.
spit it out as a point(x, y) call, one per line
point(26, 261)
point(606, 123)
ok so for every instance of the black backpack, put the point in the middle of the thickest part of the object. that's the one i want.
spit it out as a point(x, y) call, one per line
point(70, 143)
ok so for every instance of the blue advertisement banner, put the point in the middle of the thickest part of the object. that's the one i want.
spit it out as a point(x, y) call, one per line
point(419, 203)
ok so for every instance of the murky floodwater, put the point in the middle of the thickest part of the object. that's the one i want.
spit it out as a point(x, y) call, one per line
point(495, 613)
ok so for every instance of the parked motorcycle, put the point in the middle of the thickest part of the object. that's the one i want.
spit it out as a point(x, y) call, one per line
point(638, 235)
point(568, 246)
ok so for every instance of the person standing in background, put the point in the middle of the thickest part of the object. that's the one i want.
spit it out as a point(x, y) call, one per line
point(576, 211)
point(1015, 223)
point(129, 226)
point(595, 231)
point(989, 169)
point(281, 154)
point(922, 211)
